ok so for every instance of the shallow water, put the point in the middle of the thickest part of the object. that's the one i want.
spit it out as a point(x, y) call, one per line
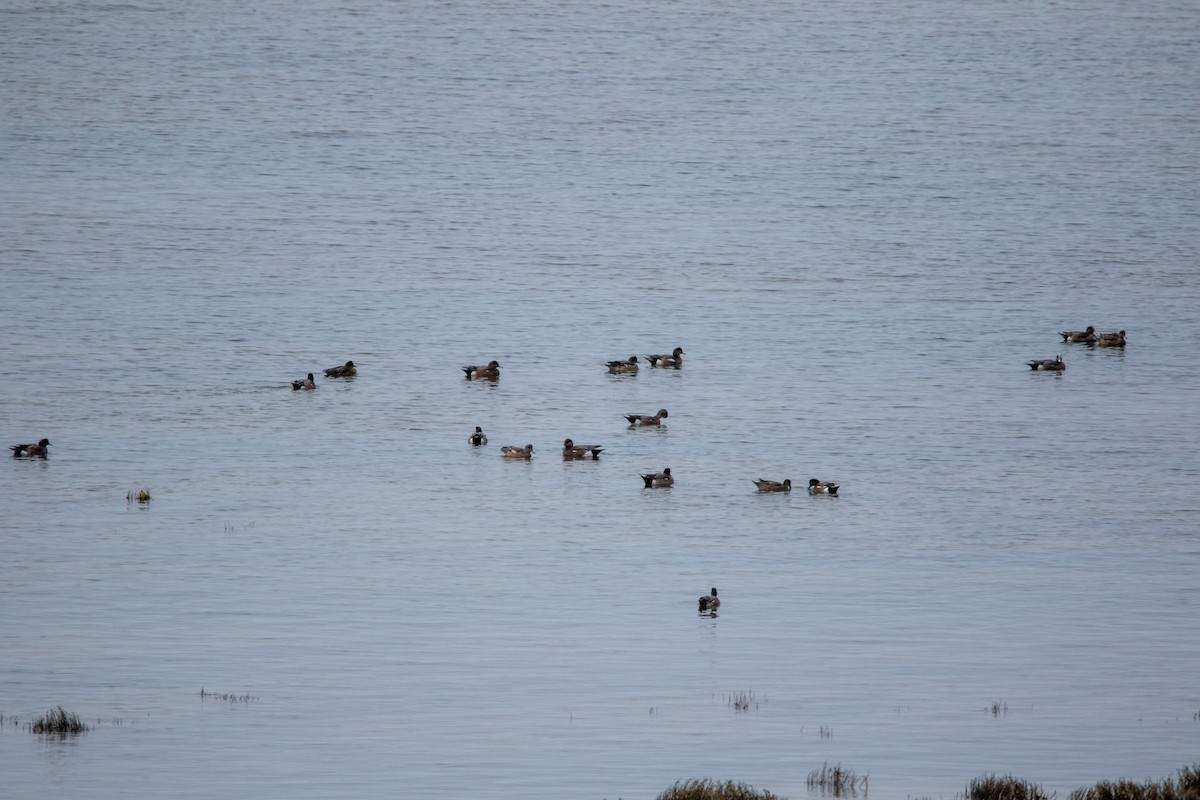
point(859, 223)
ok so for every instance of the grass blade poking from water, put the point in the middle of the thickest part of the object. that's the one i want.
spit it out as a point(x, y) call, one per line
point(837, 781)
point(58, 723)
point(708, 789)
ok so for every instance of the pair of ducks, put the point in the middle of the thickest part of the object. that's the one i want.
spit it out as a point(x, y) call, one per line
point(347, 370)
point(814, 486)
point(1089, 336)
point(32, 450)
point(570, 450)
point(672, 361)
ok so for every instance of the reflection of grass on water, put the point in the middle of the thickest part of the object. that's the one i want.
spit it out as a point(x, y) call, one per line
point(58, 722)
point(708, 789)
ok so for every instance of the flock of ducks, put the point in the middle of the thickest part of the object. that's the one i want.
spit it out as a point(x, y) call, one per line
point(578, 452)
point(1087, 336)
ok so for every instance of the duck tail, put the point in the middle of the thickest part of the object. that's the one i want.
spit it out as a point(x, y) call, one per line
point(1034, 364)
point(832, 488)
point(633, 418)
point(296, 386)
point(468, 370)
point(649, 479)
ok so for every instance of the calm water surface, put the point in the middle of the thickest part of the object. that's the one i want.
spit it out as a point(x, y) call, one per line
point(858, 220)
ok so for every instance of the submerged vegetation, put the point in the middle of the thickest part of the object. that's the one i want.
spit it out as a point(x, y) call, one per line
point(837, 781)
point(708, 789)
point(227, 698)
point(58, 722)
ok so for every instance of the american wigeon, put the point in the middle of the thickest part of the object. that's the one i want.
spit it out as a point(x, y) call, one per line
point(1116, 339)
point(478, 438)
point(1080, 337)
point(710, 602)
point(817, 487)
point(517, 452)
point(659, 480)
point(1049, 365)
point(637, 419)
point(347, 370)
point(491, 372)
point(774, 486)
point(32, 450)
point(629, 365)
point(572, 450)
point(307, 383)
point(675, 360)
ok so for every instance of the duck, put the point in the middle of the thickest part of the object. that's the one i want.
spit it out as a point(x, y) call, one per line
point(32, 450)
point(491, 372)
point(347, 370)
point(673, 361)
point(710, 602)
point(572, 450)
point(307, 383)
point(618, 367)
point(1115, 339)
point(659, 480)
point(1049, 365)
point(509, 451)
point(478, 437)
point(1085, 337)
point(773, 486)
point(817, 487)
point(637, 419)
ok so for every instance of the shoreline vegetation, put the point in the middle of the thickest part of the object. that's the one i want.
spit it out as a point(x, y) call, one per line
point(839, 782)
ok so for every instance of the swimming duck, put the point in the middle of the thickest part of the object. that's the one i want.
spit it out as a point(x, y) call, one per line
point(1055, 365)
point(572, 450)
point(617, 367)
point(774, 486)
point(659, 480)
point(478, 437)
point(32, 450)
point(673, 361)
point(347, 370)
point(1085, 337)
point(710, 602)
point(1116, 339)
point(307, 383)
point(517, 452)
point(817, 487)
point(491, 372)
point(637, 419)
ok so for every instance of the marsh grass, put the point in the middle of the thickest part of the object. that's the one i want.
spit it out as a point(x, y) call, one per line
point(708, 789)
point(998, 708)
point(227, 698)
point(139, 496)
point(994, 787)
point(1186, 786)
point(837, 781)
point(58, 722)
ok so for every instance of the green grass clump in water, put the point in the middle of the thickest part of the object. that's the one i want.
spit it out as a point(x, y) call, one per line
point(140, 496)
point(837, 781)
point(993, 787)
point(59, 722)
point(708, 789)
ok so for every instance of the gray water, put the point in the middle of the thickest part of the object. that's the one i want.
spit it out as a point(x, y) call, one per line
point(858, 220)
